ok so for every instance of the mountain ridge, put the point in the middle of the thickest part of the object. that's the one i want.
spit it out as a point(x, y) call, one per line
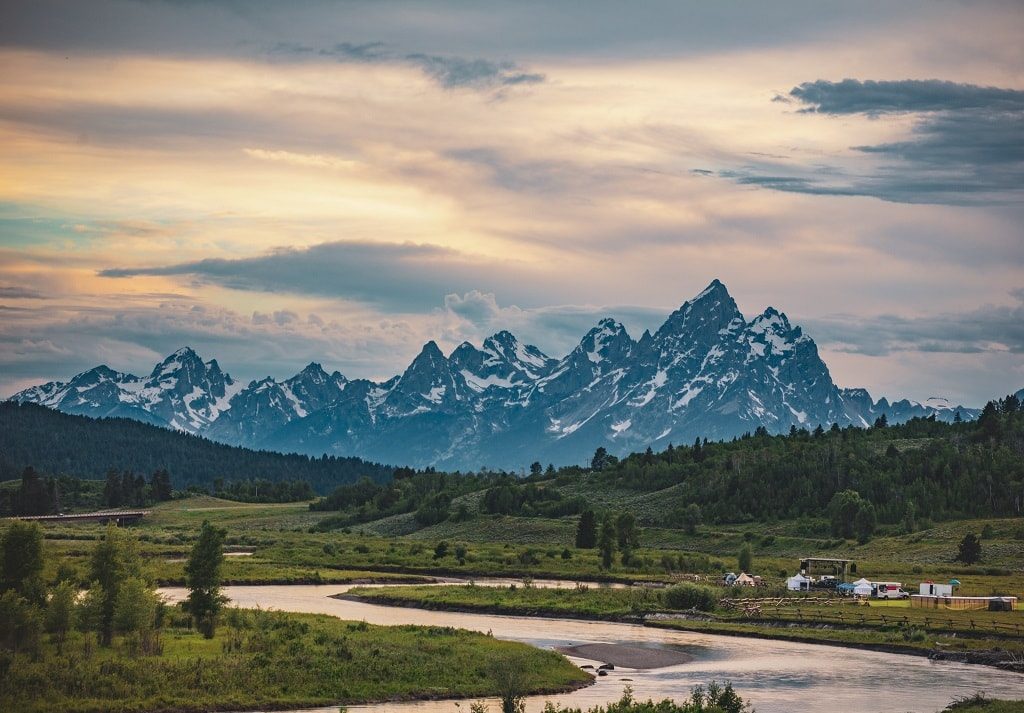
point(707, 372)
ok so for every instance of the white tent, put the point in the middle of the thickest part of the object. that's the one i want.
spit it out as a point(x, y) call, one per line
point(862, 590)
point(798, 583)
point(862, 581)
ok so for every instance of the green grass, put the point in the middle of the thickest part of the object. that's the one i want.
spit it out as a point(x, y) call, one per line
point(276, 660)
point(284, 550)
point(923, 630)
point(980, 704)
point(585, 601)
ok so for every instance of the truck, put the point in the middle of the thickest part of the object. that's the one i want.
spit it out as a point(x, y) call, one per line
point(889, 590)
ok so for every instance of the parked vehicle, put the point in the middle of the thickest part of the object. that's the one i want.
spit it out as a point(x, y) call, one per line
point(889, 590)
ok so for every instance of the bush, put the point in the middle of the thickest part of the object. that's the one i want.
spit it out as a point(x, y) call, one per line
point(690, 596)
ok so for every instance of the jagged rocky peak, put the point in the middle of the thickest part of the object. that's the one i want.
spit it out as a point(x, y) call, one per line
point(712, 313)
point(608, 341)
point(770, 333)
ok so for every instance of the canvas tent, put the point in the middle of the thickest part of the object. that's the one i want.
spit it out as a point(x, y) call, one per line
point(798, 583)
point(744, 580)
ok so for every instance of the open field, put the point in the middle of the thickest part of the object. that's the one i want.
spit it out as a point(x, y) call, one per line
point(276, 660)
point(284, 550)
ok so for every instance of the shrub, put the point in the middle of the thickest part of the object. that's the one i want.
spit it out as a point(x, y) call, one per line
point(690, 596)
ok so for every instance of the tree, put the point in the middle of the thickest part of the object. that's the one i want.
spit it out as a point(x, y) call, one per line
point(745, 558)
point(160, 485)
point(112, 489)
point(21, 555)
point(602, 459)
point(606, 542)
point(586, 530)
point(843, 510)
point(970, 549)
point(626, 532)
point(692, 518)
point(882, 421)
point(35, 496)
point(536, 468)
point(60, 612)
point(864, 521)
point(202, 577)
point(114, 561)
point(135, 613)
point(909, 517)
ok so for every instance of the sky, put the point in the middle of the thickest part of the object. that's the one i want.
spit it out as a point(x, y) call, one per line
point(279, 183)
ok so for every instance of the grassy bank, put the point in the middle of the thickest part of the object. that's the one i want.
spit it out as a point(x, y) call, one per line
point(275, 660)
point(953, 633)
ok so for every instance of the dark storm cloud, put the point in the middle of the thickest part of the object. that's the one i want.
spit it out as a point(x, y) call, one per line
point(402, 277)
point(966, 147)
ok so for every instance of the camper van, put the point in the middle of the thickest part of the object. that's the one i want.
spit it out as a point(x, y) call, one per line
point(889, 590)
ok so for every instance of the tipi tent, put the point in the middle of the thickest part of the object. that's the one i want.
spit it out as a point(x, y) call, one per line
point(744, 580)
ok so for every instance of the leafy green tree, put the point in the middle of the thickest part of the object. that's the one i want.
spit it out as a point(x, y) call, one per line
point(203, 576)
point(627, 534)
point(692, 518)
point(114, 561)
point(606, 541)
point(864, 521)
point(536, 468)
point(135, 611)
point(21, 555)
point(60, 612)
point(843, 511)
point(969, 550)
point(745, 558)
point(21, 623)
point(586, 530)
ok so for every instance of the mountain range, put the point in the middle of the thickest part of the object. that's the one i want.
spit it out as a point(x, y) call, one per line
point(707, 372)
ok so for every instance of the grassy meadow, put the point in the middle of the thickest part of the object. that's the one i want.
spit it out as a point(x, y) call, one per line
point(274, 660)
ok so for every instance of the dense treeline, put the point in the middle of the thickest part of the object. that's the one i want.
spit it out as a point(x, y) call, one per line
point(427, 493)
point(61, 444)
point(893, 474)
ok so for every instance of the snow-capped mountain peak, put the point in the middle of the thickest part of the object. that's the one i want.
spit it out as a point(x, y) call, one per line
point(706, 372)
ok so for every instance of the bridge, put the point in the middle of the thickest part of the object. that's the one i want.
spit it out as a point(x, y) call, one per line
point(121, 517)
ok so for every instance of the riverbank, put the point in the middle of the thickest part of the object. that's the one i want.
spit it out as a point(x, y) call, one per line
point(277, 661)
point(647, 607)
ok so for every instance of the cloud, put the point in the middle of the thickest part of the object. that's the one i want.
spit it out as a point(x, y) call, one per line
point(449, 72)
point(402, 277)
point(851, 96)
point(964, 148)
point(453, 72)
point(15, 292)
point(990, 328)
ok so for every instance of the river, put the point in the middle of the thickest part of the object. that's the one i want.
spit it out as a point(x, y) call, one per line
point(775, 676)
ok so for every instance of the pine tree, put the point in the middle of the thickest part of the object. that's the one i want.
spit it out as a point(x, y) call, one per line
point(202, 576)
point(586, 530)
point(969, 551)
point(745, 558)
point(606, 542)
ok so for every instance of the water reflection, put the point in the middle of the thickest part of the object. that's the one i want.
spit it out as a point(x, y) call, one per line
point(774, 675)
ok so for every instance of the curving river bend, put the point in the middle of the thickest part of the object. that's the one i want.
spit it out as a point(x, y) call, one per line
point(775, 676)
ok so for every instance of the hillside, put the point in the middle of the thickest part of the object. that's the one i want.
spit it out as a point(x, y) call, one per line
point(57, 443)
